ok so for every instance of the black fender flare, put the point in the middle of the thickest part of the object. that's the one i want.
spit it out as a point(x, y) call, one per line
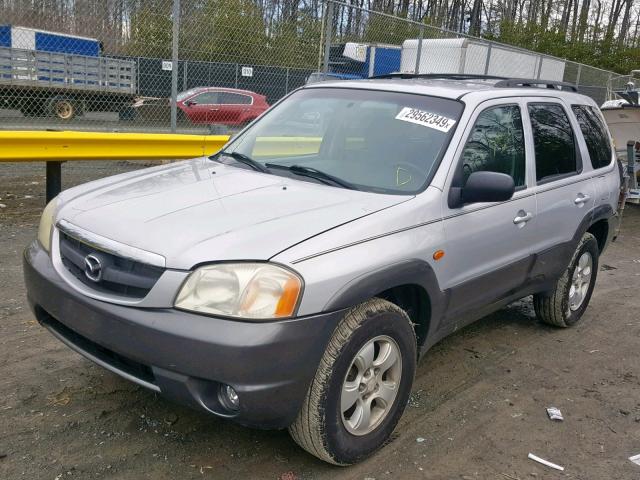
point(551, 263)
point(408, 272)
point(601, 212)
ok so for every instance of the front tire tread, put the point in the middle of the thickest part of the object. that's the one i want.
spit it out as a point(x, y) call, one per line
point(307, 430)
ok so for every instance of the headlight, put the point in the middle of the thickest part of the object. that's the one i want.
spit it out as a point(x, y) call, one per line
point(46, 222)
point(243, 290)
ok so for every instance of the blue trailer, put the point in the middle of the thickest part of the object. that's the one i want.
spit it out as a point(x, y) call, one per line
point(43, 41)
point(54, 74)
point(364, 60)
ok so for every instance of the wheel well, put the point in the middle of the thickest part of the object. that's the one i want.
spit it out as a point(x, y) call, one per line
point(414, 300)
point(600, 230)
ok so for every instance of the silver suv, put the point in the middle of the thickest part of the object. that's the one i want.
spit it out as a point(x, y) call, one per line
point(294, 279)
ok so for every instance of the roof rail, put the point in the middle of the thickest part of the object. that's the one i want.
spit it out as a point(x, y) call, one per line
point(525, 82)
point(439, 76)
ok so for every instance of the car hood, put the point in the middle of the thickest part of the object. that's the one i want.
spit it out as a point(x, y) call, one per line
point(201, 211)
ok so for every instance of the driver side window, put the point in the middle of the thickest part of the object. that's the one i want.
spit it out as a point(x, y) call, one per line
point(496, 144)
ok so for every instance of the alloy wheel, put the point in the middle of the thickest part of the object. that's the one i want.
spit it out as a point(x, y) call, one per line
point(371, 385)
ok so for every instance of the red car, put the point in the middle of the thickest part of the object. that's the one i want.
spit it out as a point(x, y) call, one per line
point(227, 106)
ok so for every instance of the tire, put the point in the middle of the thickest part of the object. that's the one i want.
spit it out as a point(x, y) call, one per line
point(63, 108)
point(321, 427)
point(560, 307)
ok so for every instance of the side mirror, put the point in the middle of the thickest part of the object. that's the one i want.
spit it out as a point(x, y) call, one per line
point(190, 103)
point(487, 187)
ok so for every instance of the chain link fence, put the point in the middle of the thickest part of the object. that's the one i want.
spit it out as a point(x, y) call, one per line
point(214, 65)
point(374, 43)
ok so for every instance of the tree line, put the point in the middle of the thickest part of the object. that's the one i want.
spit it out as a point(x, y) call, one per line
point(602, 33)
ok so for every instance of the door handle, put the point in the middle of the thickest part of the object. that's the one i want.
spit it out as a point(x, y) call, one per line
point(214, 109)
point(523, 217)
point(581, 199)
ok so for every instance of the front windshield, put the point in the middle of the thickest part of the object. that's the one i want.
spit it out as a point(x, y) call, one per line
point(377, 141)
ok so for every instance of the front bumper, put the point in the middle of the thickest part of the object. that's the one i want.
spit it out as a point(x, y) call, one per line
point(184, 356)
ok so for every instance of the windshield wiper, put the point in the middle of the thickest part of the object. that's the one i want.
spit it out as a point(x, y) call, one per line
point(314, 173)
point(245, 159)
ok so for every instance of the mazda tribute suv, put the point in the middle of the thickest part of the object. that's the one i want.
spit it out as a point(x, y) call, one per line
point(294, 279)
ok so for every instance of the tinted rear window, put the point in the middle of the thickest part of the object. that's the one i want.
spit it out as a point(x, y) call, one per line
point(595, 133)
point(554, 141)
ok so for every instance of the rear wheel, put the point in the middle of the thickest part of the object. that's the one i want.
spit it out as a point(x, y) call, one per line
point(361, 387)
point(565, 305)
point(63, 108)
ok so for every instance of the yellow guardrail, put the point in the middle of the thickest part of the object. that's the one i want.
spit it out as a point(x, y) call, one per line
point(57, 147)
point(44, 146)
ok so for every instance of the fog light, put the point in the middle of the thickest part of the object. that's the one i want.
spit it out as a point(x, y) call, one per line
point(229, 397)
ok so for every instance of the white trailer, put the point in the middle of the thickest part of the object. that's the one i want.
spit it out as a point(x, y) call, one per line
point(467, 56)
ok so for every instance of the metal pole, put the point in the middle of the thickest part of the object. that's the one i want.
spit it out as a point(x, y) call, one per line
point(321, 42)
point(184, 75)
point(578, 76)
point(631, 165)
point(54, 180)
point(486, 63)
point(539, 67)
point(236, 77)
point(286, 83)
point(372, 61)
point(174, 64)
point(327, 39)
point(419, 51)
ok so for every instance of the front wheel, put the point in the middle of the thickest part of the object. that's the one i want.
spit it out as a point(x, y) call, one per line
point(565, 305)
point(361, 387)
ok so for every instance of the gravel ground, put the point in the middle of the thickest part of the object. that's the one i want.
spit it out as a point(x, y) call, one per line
point(477, 408)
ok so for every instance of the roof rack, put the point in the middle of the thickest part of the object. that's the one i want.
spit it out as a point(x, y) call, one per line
point(439, 76)
point(525, 82)
point(502, 82)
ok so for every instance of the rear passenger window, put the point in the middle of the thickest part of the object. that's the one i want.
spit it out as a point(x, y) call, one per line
point(496, 144)
point(553, 140)
point(595, 134)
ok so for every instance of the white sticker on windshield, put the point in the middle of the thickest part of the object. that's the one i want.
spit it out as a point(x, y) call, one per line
point(426, 119)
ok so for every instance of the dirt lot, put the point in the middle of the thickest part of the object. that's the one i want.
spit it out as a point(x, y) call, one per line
point(477, 410)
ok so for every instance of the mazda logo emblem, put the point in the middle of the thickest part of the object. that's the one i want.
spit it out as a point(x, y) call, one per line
point(93, 268)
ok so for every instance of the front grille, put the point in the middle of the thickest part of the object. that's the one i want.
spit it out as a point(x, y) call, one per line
point(115, 360)
point(119, 275)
